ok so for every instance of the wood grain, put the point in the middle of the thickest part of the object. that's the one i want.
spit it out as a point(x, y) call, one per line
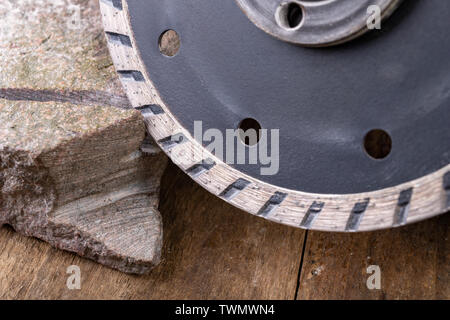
point(211, 251)
point(214, 251)
point(414, 263)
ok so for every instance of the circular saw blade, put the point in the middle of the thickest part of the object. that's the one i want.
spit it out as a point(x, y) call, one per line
point(325, 103)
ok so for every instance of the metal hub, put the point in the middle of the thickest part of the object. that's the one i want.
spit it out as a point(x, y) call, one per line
point(331, 105)
point(314, 23)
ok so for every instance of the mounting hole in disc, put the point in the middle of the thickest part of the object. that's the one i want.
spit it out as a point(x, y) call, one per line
point(169, 43)
point(250, 131)
point(378, 144)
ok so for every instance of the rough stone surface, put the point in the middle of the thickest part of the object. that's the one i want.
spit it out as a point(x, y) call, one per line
point(71, 169)
point(54, 44)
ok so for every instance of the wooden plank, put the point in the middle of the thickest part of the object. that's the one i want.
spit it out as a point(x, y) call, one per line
point(414, 263)
point(211, 251)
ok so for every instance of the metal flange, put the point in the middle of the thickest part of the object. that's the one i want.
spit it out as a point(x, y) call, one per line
point(315, 23)
point(325, 101)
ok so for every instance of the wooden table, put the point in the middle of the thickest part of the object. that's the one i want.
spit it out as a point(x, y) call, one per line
point(214, 251)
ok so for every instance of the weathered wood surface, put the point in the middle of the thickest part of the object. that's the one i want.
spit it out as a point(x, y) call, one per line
point(211, 251)
point(414, 263)
point(214, 251)
point(71, 168)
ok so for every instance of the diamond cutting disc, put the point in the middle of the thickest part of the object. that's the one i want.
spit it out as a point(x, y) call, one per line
point(352, 136)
